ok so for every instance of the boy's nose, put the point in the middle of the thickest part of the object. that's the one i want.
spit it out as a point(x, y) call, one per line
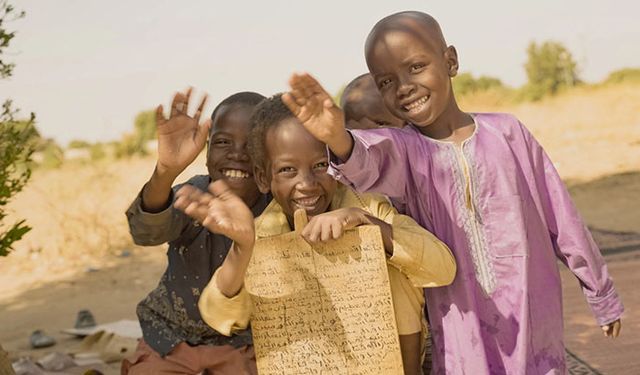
point(306, 181)
point(238, 153)
point(405, 89)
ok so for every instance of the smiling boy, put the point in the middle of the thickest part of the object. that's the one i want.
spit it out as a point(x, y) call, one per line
point(483, 185)
point(175, 338)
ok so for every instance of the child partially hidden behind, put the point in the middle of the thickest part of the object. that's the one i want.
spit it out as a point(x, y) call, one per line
point(292, 165)
point(363, 106)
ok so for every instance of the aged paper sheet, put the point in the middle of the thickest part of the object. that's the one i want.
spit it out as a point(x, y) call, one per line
point(325, 309)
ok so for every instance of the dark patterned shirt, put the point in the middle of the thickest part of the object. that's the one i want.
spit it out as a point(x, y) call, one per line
point(169, 315)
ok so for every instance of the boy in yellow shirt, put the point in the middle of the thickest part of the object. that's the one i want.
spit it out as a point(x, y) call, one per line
point(291, 164)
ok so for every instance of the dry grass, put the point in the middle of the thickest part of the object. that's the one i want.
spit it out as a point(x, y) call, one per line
point(77, 216)
point(589, 132)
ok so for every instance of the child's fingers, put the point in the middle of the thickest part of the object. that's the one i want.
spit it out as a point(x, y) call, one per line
point(310, 231)
point(312, 85)
point(187, 98)
point(181, 203)
point(177, 98)
point(336, 230)
point(202, 133)
point(215, 224)
point(306, 231)
point(617, 325)
point(200, 108)
point(316, 88)
point(296, 81)
point(326, 232)
point(306, 86)
point(197, 211)
point(294, 100)
point(204, 198)
point(185, 191)
point(160, 119)
point(219, 188)
point(290, 102)
point(299, 89)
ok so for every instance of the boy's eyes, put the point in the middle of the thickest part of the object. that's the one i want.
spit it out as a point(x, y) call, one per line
point(384, 82)
point(322, 166)
point(221, 142)
point(286, 170)
point(416, 67)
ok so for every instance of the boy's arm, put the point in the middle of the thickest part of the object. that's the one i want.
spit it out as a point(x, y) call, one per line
point(180, 140)
point(332, 224)
point(149, 229)
point(572, 241)
point(223, 212)
point(224, 303)
point(371, 160)
point(225, 315)
point(152, 220)
point(423, 258)
point(379, 163)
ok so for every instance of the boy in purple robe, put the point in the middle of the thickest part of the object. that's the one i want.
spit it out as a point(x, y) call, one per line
point(483, 185)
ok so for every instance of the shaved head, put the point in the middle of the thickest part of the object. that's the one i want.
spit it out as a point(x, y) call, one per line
point(412, 67)
point(357, 89)
point(420, 25)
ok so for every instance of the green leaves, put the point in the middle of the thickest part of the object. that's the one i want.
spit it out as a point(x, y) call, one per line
point(17, 142)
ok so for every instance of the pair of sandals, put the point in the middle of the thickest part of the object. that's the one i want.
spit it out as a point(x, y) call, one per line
point(39, 339)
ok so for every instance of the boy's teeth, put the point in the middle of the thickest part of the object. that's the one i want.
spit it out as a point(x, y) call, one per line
point(307, 201)
point(416, 104)
point(234, 173)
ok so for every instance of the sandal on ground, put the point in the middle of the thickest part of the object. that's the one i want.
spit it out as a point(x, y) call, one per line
point(39, 339)
point(85, 319)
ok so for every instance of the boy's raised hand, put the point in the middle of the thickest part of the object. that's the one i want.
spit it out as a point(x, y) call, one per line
point(315, 109)
point(219, 210)
point(180, 137)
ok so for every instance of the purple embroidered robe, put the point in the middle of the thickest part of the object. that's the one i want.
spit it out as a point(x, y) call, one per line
point(500, 205)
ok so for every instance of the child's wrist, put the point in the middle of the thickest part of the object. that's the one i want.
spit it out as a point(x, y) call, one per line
point(342, 145)
point(164, 173)
point(360, 217)
point(244, 246)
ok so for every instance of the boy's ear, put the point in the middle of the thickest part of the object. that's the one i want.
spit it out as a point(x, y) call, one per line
point(451, 56)
point(262, 181)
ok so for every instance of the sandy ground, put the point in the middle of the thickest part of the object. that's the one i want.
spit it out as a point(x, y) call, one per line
point(110, 292)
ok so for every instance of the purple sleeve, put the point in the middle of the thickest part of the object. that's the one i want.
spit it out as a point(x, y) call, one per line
point(377, 163)
point(573, 243)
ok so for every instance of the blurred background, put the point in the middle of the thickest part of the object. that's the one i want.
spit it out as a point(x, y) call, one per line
point(80, 80)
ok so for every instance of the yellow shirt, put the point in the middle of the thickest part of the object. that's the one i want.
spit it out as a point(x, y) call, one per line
point(419, 261)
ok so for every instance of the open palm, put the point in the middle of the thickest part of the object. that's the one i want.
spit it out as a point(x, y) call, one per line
point(180, 137)
point(314, 107)
point(219, 210)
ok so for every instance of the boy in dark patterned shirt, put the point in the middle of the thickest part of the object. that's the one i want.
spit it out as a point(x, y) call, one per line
point(175, 339)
